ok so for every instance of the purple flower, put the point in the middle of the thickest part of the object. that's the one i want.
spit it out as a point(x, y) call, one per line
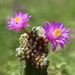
point(56, 33)
point(19, 21)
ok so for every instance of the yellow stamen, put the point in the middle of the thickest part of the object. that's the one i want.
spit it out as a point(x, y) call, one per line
point(57, 32)
point(17, 19)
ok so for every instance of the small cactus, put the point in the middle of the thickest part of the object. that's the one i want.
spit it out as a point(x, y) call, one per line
point(34, 49)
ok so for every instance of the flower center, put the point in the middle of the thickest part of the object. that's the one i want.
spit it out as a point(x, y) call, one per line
point(57, 32)
point(17, 19)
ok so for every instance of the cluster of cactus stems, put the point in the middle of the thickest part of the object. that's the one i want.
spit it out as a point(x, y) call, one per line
point(33, 50)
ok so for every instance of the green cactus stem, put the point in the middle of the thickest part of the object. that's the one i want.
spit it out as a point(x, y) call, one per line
point(31, 70)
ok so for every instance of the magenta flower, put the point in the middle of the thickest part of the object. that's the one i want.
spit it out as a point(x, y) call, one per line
point(56, 33)
point(19, 21)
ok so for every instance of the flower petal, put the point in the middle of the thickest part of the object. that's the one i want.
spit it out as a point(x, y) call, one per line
point(29, 16)
point(48, 24)
point(17, 30)
point(61, 43)
point(66, 41)
point(26, 25)
point(54, 45)
point(45, 28)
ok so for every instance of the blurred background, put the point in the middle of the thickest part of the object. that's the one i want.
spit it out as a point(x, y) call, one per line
point(62, 62)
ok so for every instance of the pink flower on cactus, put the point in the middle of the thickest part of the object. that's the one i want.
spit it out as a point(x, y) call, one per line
point(19, 21)
point(56, 33)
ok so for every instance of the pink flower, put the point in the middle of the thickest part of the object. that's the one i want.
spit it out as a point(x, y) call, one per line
point(19, 21)
point(56, 33)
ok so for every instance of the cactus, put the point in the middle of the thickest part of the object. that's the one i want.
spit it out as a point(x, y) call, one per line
point(34, 52)
point(33, 49)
